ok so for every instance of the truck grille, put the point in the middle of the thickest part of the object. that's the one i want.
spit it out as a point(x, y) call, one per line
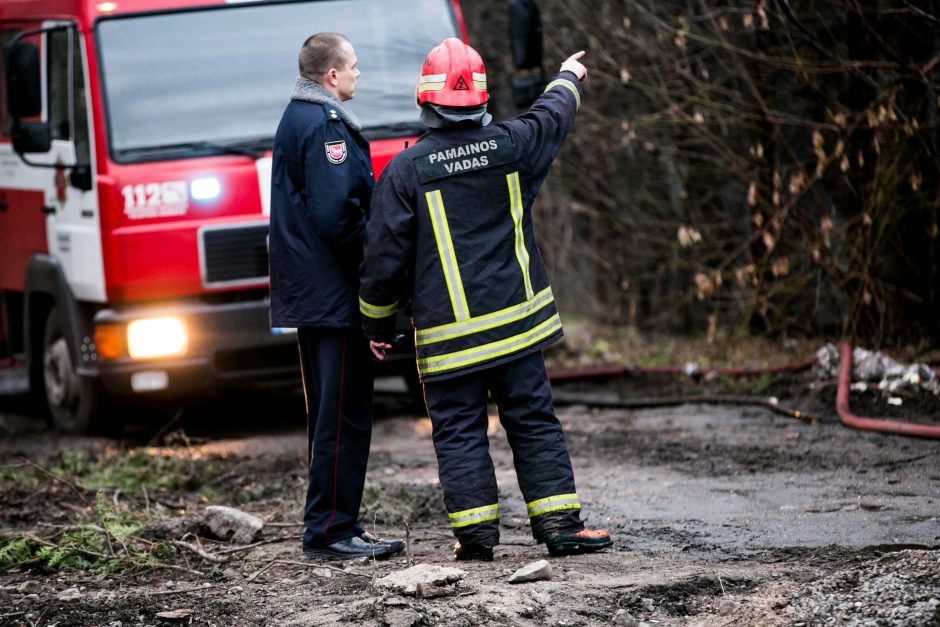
point(234, 255)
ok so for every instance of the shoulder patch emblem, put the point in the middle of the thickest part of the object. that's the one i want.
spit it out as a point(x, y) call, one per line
point(335, 151)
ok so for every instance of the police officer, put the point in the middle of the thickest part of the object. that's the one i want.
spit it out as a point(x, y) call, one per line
point(451, 229)
point(321, 185)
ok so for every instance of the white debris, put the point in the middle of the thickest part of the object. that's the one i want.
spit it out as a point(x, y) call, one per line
point(870, 367)
point(406, 581)
point(228, 523)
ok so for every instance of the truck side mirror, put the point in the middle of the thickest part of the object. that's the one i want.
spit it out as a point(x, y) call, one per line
point(23, 86)
point(525, 34)
point(24, 97)
point(31, 137)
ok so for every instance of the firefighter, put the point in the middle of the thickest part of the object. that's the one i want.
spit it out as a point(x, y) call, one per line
point(451, 233)
point(321, 184)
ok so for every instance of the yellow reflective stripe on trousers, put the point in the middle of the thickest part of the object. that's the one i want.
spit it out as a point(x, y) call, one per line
point(553, 504)
point(493, 350)
point(445, 249)
point(486, 321)
point(564, 82)
point(474, 516)
point(515, 206)
point(377, 311)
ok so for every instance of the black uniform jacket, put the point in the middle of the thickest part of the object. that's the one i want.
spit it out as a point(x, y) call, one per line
point(451, 230)
point(321, 185)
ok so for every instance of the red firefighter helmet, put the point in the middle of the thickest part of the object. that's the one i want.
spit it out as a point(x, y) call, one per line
point(452, 75)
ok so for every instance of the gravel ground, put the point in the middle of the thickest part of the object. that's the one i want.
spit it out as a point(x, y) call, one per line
point(901, 589)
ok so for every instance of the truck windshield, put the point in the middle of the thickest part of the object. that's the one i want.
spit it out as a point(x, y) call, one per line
point(203, 80)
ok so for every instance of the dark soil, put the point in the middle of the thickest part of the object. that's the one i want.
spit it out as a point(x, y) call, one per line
point(724, 513)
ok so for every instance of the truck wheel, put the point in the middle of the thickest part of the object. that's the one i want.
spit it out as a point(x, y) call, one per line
point(73, 401)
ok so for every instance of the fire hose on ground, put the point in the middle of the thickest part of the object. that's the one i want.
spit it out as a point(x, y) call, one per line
point(843, 410)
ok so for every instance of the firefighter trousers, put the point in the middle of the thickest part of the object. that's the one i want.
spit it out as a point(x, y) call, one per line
point(338, 382)
point(458, 410)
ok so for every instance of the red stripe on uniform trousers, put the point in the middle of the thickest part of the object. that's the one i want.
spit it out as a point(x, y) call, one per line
point(339, 426)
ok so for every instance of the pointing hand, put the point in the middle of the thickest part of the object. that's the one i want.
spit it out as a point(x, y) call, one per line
point(571, 64)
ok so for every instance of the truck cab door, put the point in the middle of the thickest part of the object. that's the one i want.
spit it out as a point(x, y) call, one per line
point(59, 169)
point(73, 227)
point(22, 223)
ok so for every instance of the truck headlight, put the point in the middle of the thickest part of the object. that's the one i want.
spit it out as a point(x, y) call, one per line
point(156, 337)
point(205, 189)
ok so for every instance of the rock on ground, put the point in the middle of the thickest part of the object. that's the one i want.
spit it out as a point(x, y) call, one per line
point(406, 581)
point(228, 523)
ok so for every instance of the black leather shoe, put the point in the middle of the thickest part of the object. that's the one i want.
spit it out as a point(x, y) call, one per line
point(350, 548)
point(584, 541)
point(397, 544)
point(474, 552)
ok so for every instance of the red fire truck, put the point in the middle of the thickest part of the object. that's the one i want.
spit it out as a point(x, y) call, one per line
point(134, 182)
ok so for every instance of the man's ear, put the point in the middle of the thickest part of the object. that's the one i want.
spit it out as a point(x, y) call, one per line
point(331, 77)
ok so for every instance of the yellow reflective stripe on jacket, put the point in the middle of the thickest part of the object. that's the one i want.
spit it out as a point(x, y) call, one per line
point(486, 352)
point(474, 516)
point(486, 321)
point(564, 82)
point(553, 504)
point(517, 209)
point(377, 311)
point(445, 249)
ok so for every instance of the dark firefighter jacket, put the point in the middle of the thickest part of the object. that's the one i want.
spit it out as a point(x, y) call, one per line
point(321, 185)
point(451, 228)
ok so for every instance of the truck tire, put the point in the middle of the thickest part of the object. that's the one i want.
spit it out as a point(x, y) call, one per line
point(73, 401)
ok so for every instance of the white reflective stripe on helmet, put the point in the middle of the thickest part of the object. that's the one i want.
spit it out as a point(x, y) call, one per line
point(432, 82)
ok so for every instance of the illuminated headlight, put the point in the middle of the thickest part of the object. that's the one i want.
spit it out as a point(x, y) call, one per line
point(205, 189)
point(156, 337)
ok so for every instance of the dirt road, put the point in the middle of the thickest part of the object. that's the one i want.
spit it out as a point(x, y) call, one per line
point(721, 516)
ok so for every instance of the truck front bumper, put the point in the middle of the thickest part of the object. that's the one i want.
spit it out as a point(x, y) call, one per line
point(227, 344)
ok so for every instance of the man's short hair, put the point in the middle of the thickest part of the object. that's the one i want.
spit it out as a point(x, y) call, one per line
point(320, 53)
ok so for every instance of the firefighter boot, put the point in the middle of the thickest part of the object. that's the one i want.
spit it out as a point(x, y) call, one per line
point(584, 541)
point(473, 552)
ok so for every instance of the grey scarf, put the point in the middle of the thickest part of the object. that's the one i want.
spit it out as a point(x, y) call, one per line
point(312, 91)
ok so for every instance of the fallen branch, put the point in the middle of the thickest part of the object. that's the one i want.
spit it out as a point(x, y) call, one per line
point(320, 565)
point(671, 401)
point(254, 575)
point(179, 568)
point(215, 559)
point(247, 547)
point(80, 489)
point(205, 586)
